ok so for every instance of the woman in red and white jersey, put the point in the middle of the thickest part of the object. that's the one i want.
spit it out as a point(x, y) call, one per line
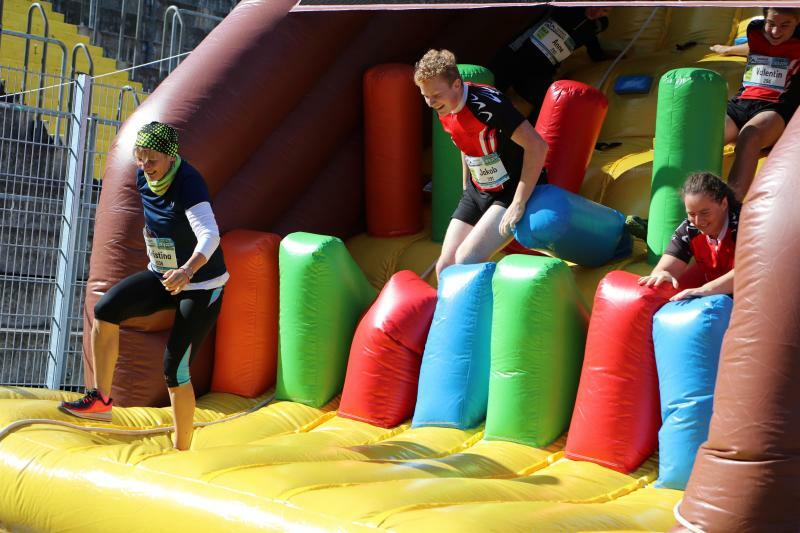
point(502, 158)
point(770, 91)
point(708, 235)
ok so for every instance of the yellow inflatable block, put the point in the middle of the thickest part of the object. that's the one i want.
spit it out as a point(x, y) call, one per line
point(624, 23)
point(729, 67)
point(701, 25)
point(587, 279)
point(634, 115)
point(28, 393)
point(564, 481)
point(629, 193)
point(378, 257)
point(608, 165)
point(484, 460)
point(328, 441)
point(748, 15)
point(419, 257)
point(642, 510)
point(39, 494)
point(223, 413)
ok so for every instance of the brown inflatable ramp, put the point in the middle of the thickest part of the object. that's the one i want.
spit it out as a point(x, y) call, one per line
point(747, 475)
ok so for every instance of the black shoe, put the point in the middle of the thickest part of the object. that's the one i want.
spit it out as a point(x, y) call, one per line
point(636, 226)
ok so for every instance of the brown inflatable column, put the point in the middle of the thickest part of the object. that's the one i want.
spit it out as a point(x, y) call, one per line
point(747, 475)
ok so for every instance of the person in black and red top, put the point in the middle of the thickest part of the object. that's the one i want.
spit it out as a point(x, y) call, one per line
point(529, 63)
point(770, 91)
point(708, 236)
point(502, 158)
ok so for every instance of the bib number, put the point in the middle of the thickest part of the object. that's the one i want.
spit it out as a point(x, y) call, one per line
point(551, 39)
point(767, 72)
point(161, 252)
point(487, 171)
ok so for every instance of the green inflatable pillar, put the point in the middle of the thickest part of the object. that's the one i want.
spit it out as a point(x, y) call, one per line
point(690, 129)
point(322, 296)
point(539, 325)
point(447, 180)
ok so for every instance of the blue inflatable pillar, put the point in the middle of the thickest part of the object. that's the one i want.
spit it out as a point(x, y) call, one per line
point(687, 336)
point(454, 375)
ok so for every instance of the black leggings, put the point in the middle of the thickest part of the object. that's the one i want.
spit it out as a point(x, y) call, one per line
point(143, 294)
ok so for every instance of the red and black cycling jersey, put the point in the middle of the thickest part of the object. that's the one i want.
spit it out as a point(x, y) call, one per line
point(772, 71)
point(482, 130)
point(714, 258)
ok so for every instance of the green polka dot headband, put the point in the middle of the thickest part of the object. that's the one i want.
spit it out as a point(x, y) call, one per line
point(159, 137)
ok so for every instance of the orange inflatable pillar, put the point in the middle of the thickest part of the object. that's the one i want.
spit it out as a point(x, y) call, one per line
point(570, 121)
point(245, 360)
point(392, 150)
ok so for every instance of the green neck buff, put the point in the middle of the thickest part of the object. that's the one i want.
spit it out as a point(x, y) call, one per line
point(160, 187)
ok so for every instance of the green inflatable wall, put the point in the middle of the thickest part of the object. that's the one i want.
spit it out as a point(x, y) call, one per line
point(447, 180)
point(690, 129)
point(322, 296)
point(539, 325)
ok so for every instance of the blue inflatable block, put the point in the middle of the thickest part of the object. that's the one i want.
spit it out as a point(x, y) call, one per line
point(740, 40)
point(574, 228)
point(454, 376)
point(633, 84)
point(687, 336)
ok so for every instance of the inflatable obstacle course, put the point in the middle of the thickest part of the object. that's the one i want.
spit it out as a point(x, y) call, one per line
point(290, 465)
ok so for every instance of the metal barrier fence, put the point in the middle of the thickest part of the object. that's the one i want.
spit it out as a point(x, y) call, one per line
point(51, 160)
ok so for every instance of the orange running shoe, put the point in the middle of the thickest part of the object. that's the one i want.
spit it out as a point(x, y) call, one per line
point(91, 406)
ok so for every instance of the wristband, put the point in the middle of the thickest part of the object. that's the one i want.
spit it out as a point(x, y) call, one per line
point(188, 271)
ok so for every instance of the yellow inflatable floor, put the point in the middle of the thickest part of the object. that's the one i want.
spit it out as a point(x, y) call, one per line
point(286, 466)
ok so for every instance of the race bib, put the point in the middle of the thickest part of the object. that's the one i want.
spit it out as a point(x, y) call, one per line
point(767, 72)
point(487, 171)
point(551, 39)
point(161, 252)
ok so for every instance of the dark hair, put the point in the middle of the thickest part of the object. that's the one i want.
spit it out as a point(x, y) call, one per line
point(710, 185)
point(793, 11)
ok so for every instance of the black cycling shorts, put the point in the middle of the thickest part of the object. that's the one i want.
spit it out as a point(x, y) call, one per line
point(742, 110)
point(142, 294)
point(475, 203)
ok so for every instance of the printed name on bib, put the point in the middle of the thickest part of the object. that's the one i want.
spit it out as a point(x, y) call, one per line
point(551, 39)
point(487, 171)
point(767, 72)
point(161, 252)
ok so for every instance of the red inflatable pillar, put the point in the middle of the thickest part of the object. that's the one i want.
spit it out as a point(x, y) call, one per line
point(570, 121)
point(383, 370)
point(392, 150)
point(617, 414)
